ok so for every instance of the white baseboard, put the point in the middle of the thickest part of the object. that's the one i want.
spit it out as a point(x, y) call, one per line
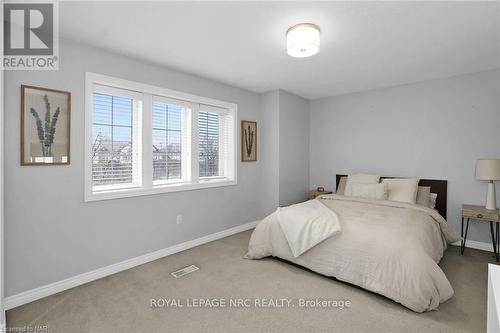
point(56, 287)
point(476, 245)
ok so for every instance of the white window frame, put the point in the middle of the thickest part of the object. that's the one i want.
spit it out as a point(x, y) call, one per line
point(147, 93)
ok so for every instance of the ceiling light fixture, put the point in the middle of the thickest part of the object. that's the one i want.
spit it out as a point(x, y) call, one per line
point(302, 40)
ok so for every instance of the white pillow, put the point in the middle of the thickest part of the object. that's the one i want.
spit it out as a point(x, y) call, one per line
point(432, 200)
point(423, 195)
point(370, 191)
point(360, 179)
point(402, 189)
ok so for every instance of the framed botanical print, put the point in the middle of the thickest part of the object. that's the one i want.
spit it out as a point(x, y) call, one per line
point(248, 141)
point(45, 126)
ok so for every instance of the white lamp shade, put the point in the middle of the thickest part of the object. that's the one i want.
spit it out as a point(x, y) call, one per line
point(488, 169)
point(302, 40)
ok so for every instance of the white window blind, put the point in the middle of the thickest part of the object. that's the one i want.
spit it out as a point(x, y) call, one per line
point(116, 139)
point(170, 138)
point(215, 142)
point(143, 140)
point(208, 144)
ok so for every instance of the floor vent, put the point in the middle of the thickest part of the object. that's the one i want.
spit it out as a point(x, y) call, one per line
point(184, 271)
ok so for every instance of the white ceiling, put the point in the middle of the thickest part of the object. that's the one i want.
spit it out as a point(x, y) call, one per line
point(364, 45)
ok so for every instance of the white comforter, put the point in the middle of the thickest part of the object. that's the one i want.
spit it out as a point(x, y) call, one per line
point(387, 247)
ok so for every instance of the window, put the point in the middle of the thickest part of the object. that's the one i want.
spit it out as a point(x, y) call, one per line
point(215, 132)
point(170, 140)
point(115, 145)
point(142, 139)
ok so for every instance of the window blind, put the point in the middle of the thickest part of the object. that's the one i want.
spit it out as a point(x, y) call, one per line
point(208, 143)
point(216, 142)
point(115, 146)
point(168, 134)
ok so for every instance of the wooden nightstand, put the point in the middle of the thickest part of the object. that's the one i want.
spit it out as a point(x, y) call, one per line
point(480, 213)
point(312, 194)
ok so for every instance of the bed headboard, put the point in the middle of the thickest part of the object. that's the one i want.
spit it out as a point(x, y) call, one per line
point(440, 187)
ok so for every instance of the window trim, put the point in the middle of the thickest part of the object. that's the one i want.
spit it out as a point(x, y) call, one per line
point(147, 93)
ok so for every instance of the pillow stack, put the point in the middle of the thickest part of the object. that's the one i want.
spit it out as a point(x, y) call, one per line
point(394, 189)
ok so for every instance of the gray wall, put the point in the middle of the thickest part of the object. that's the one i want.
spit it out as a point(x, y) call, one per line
point(52, 234)
point(293, 148)
point(268, 153)
point(434, 129)
point(285, 121)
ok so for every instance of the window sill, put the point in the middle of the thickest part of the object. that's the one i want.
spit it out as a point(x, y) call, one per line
point(156, 189)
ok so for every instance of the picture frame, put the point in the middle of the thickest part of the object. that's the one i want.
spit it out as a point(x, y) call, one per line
point(45, 126)
point(248, 141)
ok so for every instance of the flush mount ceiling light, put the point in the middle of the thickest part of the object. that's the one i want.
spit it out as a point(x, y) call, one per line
point(302, 40)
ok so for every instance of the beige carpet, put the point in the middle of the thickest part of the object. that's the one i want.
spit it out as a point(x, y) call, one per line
point(121, 303)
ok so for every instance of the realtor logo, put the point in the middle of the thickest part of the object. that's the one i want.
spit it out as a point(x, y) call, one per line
point(30, 38)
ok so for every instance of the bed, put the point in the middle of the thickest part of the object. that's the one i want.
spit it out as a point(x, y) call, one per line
point(387, 247)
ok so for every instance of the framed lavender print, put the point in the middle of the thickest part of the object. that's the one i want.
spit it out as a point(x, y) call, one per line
point(248, 141)
point(45, 126)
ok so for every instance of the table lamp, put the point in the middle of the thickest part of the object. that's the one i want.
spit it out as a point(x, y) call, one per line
point(489, 170)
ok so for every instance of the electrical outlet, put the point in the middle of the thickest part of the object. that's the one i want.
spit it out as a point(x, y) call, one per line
point(179, 219)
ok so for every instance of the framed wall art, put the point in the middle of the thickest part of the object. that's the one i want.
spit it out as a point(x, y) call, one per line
point(248, 141)
point(45, 126)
